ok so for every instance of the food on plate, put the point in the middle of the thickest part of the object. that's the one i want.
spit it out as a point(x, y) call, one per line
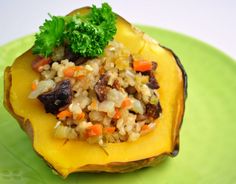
point(94, 93)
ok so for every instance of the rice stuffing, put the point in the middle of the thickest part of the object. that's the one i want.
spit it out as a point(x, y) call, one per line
point(109, 99)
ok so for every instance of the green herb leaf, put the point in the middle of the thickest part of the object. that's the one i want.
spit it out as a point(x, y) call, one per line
point(86, 35)
point(50, 36)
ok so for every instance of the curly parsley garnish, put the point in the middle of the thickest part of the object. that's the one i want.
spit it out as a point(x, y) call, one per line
point(86, 35)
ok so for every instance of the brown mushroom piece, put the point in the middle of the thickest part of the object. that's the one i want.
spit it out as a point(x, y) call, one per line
point(153, 111)
point(58, 98)
point(101, 87)
point(152, 81)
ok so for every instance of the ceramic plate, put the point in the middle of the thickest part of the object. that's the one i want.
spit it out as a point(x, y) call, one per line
point(207, 141)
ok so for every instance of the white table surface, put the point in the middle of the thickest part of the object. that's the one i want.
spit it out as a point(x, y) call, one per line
point(212, 21)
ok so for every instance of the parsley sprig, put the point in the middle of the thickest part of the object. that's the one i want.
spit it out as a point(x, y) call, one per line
point(86, 35)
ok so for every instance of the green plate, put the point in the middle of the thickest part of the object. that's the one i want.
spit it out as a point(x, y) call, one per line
point(207, 149)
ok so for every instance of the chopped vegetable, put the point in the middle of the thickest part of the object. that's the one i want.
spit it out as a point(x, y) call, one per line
point(40, 62)
point(80, 116)
point(145, 127)
point(33, 86)
point(79, 77)
point(65, 132)
point(42, 87)
point(94, 130)
point(117, 114)
point(106, 106)
point(86, 35)
point(64, 114)
point(126, 103)
point(154, 100)
point(116, 96)
point(70, 71)
point(101, 71)
point(142, 65)
point(137, 106)
point(109, 130)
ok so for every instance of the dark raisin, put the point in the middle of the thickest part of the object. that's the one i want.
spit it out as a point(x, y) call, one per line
point(131, 90)
point(153, 110)
point(57, 98)
point(71, 56)
point(101, 87)
point(152, 81)
point(73, 126)
point(116, 84)
point(80, 61)
point(76, 58)
point(101, 92)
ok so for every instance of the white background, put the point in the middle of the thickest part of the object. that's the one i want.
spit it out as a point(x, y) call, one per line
point(212, 21)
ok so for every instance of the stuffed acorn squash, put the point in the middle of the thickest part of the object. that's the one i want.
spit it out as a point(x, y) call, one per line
point(93, 104)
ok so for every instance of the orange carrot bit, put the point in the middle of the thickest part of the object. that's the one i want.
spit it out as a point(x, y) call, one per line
point(142, 65)
point(117, 114)
point(77, 68)
point(101, 70)
point(64, 114)
point(80, 77)
point(33, 86)
point(40, 62)
point(94, 130)
point(109, 130)
point(80, 116)
point(69, 72)
point(79, 72)
point(145, 127)
point(126, 103)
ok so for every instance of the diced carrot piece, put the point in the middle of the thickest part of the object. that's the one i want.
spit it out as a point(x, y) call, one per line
point(109, 130)
point(64, 114)
point(145, 127)
point(94, 130)
point(126, 103)
point(80, 77)
point(101, 70)
point(77, 68)
point(80, 116)
point(33, 86)
point(142, 65)
point(40, 62)
point(117, 114)
point(70, 71)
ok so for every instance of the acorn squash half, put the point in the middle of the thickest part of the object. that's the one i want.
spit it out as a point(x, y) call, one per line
point(77, 156)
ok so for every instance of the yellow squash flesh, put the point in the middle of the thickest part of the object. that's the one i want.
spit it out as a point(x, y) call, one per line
point(76, 156)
